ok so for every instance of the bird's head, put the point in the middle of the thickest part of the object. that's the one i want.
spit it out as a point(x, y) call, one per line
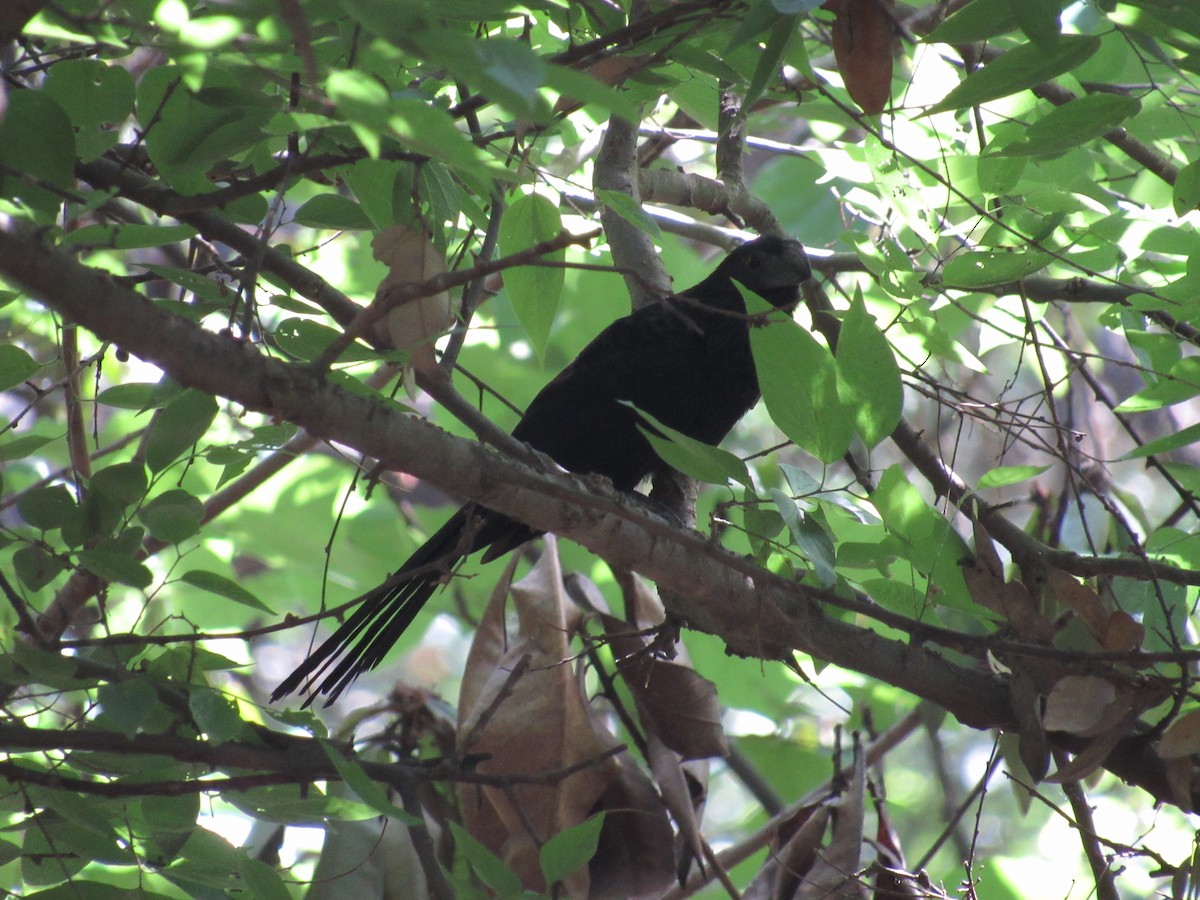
point(773, 267)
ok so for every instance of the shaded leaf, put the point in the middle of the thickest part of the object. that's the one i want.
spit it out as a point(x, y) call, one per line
point(570, 849)
point(178, 426)
point(16, 366)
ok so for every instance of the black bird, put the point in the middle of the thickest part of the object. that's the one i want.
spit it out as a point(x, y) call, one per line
point(685, 360)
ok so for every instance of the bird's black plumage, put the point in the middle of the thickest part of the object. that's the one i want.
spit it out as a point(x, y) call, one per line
point(685, 360)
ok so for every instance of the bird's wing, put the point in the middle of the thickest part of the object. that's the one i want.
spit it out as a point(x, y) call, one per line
point(644, 359)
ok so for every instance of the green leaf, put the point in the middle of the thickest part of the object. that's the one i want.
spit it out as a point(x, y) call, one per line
point(16, 366)
point(931, 544)
point(809, 536)
point(629, 210)
point(1003, 476)
point(200, 285)
point(197, 129)
point(1181, 438)
point(799, 382)
point(178, 426)
point(570, 850)
point(1018, 69)
point(215, 714)
point(224, 587)
point(263, 882)
point(19, 448)
point(170, 821)
point(333, 212)
point(124, 483)
point(128, 237)
point(367, 790)
point(48, 507)
point(139, 395)
point(172, 516)
point(510, 73)
point(127, 705)
point(1186, 194)
point(1181, 383)
point(113, 565)
point(43, 859)
point(769, 61)
point(694, 458)
point(487, 865)
point(869, 375)
point(1039, 20)
point(36, 567)
point(99, 516)
point(575, 85)
point(976, 21)
point(1073, 124)
point(305, 340)
point(534, 290)
point(982, 268)
point(36, 139)
point(757, 19)
point(382, 188)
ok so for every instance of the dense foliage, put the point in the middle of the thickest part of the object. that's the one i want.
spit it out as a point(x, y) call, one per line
point(937, 609)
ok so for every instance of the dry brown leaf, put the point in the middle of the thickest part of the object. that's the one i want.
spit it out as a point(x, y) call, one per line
point(1182, 738)
point(1069, 593)
point(864, 37)
point(793, 851)
point(986, 556)
point(1181, 776)
point(635, 856)
point(1011, 601)
point(1093, 756)
point(533, 724)
point(668, 772)
point(1032, 746)
point(1123, 632)
point(414, 325)
point(1078, 703)
point(835, 873)
point(674, 702)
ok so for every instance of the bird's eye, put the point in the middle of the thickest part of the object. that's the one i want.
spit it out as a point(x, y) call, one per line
point(755, 261)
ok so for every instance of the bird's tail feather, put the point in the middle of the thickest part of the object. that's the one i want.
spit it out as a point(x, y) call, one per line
point(386, 611)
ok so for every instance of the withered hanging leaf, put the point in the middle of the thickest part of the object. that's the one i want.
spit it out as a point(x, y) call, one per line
point(413, 325)
point(1077, 703)
point(864, 37)
point(1182, 738)
point(523, 706)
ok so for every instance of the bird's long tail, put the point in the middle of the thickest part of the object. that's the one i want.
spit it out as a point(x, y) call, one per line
point(386, 611)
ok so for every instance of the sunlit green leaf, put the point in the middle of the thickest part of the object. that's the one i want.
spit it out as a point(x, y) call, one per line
point(869, 376)
point(1017, 70)
point(930, 542)
point(799, 381)
point(984, 268)
point(1002, 476)
point(533, 290)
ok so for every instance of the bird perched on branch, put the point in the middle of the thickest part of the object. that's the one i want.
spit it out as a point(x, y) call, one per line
point(685, 360)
